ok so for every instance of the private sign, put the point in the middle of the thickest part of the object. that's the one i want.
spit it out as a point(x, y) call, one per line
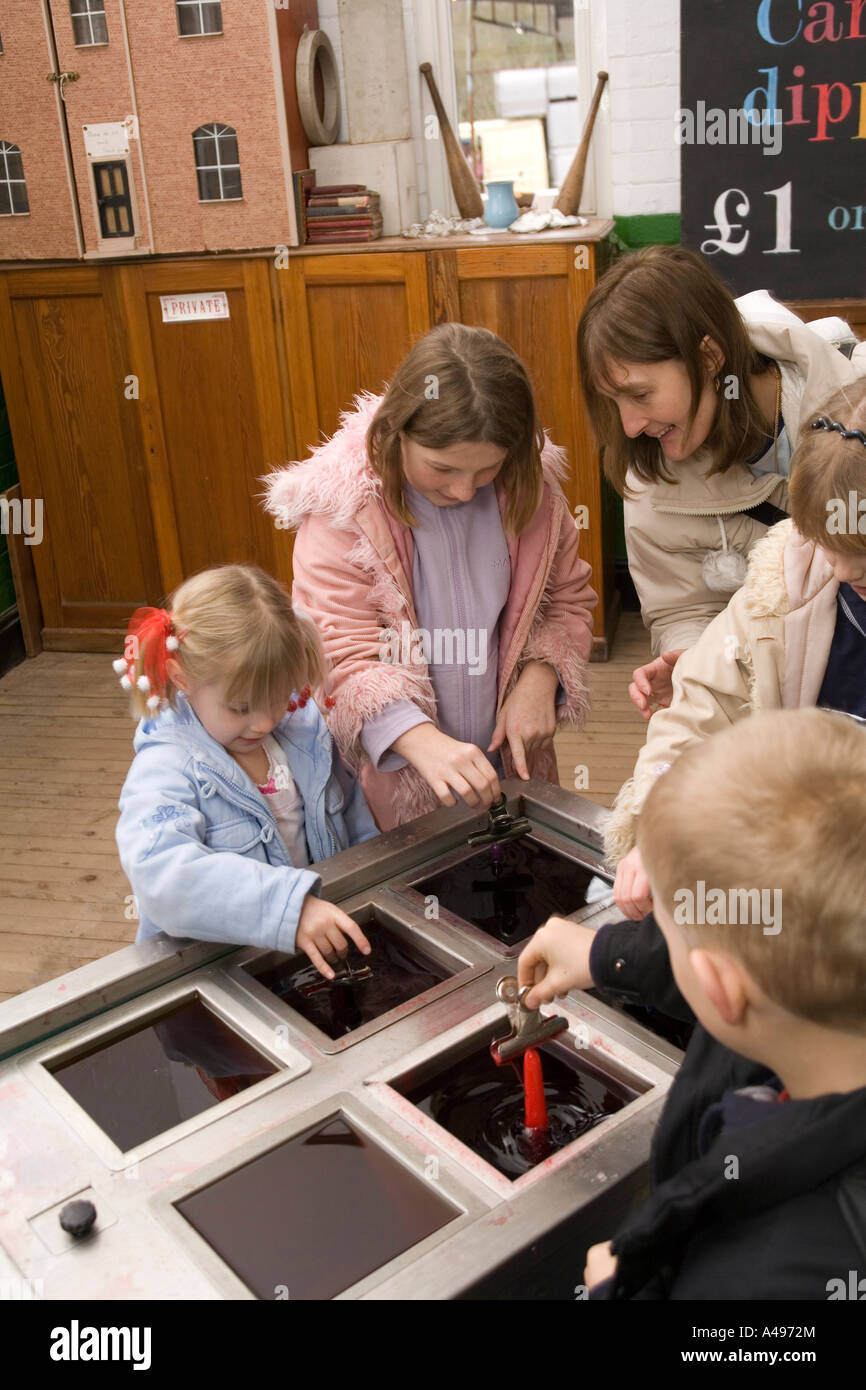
point(183, 308)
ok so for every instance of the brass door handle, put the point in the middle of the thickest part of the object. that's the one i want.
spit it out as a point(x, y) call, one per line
point(62, 77)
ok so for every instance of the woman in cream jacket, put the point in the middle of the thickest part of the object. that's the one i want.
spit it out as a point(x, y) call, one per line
point(668, 355)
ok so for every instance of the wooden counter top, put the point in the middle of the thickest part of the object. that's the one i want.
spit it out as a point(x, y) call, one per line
point(595, 230)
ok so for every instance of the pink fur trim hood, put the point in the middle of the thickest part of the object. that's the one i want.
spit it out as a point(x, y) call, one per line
point(336, 479)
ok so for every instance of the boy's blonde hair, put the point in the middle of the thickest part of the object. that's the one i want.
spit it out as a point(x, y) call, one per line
point(827, 472)
point(238, 630)
point(461, 385)
point(778, 802)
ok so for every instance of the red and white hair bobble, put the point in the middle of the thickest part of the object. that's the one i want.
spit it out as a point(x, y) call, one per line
point(150, 635)
point(304, 696)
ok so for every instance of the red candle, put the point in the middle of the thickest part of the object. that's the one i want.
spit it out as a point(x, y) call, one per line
point(533, 1086)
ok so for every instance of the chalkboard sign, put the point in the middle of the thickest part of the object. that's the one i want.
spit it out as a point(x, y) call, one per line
point(772, 127)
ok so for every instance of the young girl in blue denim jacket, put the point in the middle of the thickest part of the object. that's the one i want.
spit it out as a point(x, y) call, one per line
point(236, 789)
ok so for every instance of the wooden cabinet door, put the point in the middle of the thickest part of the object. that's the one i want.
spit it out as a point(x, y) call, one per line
point(64, 359)
point(215, 416)
point(349, 321)
point(533, 296)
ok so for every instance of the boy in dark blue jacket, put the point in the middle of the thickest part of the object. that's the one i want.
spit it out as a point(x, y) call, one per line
point(753, 844)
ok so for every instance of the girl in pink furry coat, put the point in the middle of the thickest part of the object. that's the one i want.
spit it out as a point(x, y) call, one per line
point(436, 552)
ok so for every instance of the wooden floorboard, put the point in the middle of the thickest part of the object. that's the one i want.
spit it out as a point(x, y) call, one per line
point(65, 748)
point(64, 755)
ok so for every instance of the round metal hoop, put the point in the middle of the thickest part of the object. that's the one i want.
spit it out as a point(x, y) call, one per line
point(315, 50)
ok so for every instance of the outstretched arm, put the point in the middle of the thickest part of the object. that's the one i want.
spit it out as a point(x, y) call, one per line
point(188, 888)
point(345, 601)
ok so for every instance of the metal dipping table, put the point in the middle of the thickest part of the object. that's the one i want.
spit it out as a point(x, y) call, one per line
point(192, 1196)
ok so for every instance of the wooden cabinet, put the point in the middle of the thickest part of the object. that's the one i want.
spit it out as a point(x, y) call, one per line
point(348, 320)
point(78, 451)
point(533, 296)
point(147, 440)
point(214, 415)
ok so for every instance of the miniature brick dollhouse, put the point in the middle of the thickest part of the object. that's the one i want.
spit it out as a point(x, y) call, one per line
point(152, 128)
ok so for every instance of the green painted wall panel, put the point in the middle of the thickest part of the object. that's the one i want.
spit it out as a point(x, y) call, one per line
point(8, 475)
point(661, 229)
point(7, 591)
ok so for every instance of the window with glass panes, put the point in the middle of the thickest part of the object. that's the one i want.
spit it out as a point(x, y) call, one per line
point(13, 189)
point(216, 162)
point(113, 198)
point(516, 74)
point(89, 25)
point(199, 17)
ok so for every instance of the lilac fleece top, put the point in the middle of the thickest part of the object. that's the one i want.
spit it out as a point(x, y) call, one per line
point(461, 578)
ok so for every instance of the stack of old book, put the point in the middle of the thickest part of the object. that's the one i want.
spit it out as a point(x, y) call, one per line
point(343, 212)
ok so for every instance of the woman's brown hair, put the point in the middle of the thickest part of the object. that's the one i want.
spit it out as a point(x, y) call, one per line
point(461, 385)
point(658, 305)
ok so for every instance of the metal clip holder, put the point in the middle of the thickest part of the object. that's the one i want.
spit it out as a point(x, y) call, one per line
point(529, 1027)
point(501, 825)
point(344, 975)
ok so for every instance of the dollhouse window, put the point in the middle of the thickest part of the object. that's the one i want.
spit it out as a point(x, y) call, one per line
point(199, 17)
point(113, 199)
point(89, 25)
point(217, 163)
point(13, 189)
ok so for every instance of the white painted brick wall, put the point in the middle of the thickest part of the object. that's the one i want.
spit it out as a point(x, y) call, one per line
point(642, 47)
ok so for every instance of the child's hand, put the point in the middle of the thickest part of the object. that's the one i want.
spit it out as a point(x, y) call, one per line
point(652, 686)
point(449, 766)
point(528, 717)
point(320, 933)
point(555, 961)
point(631, 887)
point(600, 1264)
